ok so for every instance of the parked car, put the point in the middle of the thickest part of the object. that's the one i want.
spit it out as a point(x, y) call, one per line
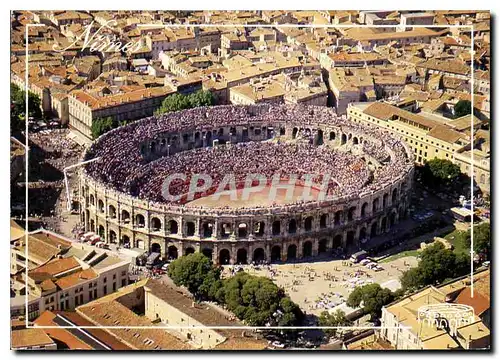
point(278, 345)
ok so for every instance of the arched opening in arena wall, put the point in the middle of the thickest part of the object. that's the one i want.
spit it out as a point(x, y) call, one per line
point(338, 217)
point(332, 135)
point(172, 252)
point(163, 143)
point(208, 139)
point(139, 220)
point(125, 240)
point(362, 235)
point(208, 253)
point(307, 249)
point(91, 200)
point(292, 226)
point(394, 195)
point(232, 131)
point(173, 227)
point(322, 221)
point(153, 147)
point(308, 223)
point(402, 212)
point(351, 213)
point(392, 219)
point(189, 250)
point(276, 253)
point(375, 205)
point(373, 231)
point(101, 206)
point(156, 248)
point(384, 225)
point(125, 216)
point(101, 232)
point(349, 137)
point(355, 140)
point(259, 255)
point(112, 211)
point(155, 224)
point(112, 237)
point(208, 229)
point(140, 244)
point(190, 228)
point(92, 225)
point(384, 201)
point(242, 230)
point(337, 241)
point(364, 207)
point(291, 253)
point(185, 138)
point(225, 230)
point(276, 227)
point(258, 228)
point(318, 139)
point(241, 256)
point(224, 257)
point(343, 139)
point(350, 238)
point(294, 133)
point(322, 246)
point(282, 131)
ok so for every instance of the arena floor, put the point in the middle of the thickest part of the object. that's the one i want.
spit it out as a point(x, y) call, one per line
point(264, 197)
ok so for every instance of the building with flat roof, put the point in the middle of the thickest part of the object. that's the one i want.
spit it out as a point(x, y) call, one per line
point(402, 328)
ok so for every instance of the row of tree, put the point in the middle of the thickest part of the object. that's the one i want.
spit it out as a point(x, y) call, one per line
point(18, 107)
point(177, 102)
point(254, 299)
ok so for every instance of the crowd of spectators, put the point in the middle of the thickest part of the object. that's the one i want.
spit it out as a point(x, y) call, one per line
point(123, 165)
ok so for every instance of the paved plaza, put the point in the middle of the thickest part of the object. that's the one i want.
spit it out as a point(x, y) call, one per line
point(319, 286)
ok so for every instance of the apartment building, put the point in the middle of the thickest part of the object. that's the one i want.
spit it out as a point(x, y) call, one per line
point(60, 275)
point(85, 107)
point(429, 138)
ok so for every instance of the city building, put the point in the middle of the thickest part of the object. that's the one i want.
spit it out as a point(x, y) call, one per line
point(401, 327)
point(60, 275)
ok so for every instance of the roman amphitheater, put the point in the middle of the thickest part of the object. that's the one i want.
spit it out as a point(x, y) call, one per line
point(368, 191)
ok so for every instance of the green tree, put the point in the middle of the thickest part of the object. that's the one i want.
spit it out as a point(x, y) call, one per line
point(101, 126)
point(18, 107)
point(440, 171)
point(338, 318)
point(174, 102)
point(201, 98)
point(412, 279)
point(462, 108)
point(196, 272)
point(482, 240)
point(436, 265)
point(372, 297)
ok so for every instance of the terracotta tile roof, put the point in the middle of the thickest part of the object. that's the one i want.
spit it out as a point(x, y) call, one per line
point(16, 231)
point(478, 302)
point(56, 266)
point(76, 278)
point(29, 337)
point(71, 341)
point(113, 313)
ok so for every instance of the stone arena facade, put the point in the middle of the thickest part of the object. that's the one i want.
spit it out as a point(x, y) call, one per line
point(243, 235)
